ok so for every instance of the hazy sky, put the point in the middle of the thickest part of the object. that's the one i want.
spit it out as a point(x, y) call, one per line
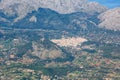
point(109, 3)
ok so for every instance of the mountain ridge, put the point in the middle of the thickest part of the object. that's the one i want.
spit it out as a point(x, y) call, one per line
point(22, 7)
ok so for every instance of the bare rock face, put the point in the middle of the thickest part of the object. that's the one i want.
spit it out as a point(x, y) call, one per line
point(22, 7)
point(110, 19)
point(94, 7)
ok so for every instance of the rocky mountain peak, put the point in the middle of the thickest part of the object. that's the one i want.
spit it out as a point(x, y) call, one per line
point(110, 19)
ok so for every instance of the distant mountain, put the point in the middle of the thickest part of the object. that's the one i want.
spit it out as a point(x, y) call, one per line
point(51, 20)
point(110, 19)
point(22, 7)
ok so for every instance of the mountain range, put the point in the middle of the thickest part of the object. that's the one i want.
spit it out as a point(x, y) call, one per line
point(22, 7)
point(14, 11)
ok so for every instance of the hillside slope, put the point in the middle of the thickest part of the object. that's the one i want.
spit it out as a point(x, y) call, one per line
point(110, 19)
